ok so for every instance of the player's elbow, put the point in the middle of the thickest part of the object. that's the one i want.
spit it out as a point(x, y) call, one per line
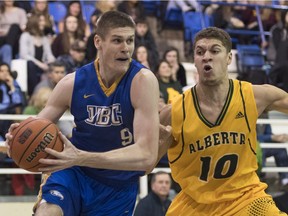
point(150, 160)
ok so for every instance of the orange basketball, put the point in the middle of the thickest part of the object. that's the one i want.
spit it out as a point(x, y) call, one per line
point(30, 139)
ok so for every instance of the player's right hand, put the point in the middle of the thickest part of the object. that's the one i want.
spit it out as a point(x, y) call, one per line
point(9, 137)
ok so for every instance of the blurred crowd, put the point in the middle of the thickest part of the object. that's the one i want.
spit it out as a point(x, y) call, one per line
point(54, 48)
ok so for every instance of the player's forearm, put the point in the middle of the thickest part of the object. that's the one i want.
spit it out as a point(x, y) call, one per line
point(129, 158)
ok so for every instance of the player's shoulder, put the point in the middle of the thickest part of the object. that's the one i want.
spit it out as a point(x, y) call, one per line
point(68, 80)
point(146, 73)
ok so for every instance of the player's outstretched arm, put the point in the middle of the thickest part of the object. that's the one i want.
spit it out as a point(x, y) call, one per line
point(269, 98)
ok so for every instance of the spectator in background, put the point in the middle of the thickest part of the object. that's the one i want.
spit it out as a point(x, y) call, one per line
point(25, 5)
point(41, 8)
point(171, 55)
point(62, 43)
point(279, 46)
point(75, 58)
point(12, 22)
point(56, 72)
point(142, 55)
point(134, 8)
point(75, 9)
point(168, 87)
point(264, 134)
point(36, 49)
point(156, 202)
point(11, 96)
point(100, 8)
point(6, 54)
point(144, 37)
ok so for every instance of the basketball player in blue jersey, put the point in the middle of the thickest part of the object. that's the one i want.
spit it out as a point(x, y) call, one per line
point(212, 147)
point(114, 101)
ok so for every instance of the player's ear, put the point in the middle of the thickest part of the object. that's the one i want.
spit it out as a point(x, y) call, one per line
point(97, 41)
point(229, 58)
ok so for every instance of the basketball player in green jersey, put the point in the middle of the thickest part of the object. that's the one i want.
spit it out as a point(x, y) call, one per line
point(212, 147)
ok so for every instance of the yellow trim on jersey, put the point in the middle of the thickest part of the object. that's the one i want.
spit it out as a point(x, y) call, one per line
point(224, 109)
point(111, 89)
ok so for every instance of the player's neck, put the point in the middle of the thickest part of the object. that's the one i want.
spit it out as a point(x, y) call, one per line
point(216, 93)
point(106, 75)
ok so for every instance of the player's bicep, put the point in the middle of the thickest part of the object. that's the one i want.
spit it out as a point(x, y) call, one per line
point(269, 97)
point(144, 97)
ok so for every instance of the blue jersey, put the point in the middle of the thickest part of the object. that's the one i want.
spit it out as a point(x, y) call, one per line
point(104, 118)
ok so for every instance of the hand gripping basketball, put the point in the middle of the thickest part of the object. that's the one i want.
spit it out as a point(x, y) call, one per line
point(30, 139)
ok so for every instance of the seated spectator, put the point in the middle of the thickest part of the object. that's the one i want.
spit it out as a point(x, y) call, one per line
point(55, 73)
point(171, 55)
point(279, 43)
point(41, 8)
point(11, 96)
point(62, 43)
point(264, 134)
point(144, 37)
point(75, 58)
point(75, 9)
point(156, 203)
point(142, 55)
point(12, 21)
point(134, 8)
point(100, 8)
point(36, 49)
point(168, 87)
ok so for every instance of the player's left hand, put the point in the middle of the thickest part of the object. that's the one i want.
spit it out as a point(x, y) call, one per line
point(69, 157)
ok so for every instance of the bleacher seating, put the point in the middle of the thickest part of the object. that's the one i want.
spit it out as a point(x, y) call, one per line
point(249, 57)
point(58, 10)
point(194, 22)
point(88, 10)
point(173, 19)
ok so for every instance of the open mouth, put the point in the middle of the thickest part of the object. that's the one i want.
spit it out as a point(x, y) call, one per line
point(122, 59)
point(207, 68)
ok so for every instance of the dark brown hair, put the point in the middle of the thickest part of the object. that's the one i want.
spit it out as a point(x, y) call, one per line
point(45, 13)
point(112, 20)
point(214, 33)
point(33, 25)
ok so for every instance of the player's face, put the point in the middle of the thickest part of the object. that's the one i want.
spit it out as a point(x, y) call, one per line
point(116, 49)
point(211, 60)
point(162, 185)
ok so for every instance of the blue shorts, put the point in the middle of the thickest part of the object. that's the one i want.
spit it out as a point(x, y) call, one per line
point(77, 194)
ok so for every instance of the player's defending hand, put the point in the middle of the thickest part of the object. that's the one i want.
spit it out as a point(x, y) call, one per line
point(9, 137)
point(69, 157)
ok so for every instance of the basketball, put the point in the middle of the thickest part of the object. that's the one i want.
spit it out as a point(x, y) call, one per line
point(30, 139)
